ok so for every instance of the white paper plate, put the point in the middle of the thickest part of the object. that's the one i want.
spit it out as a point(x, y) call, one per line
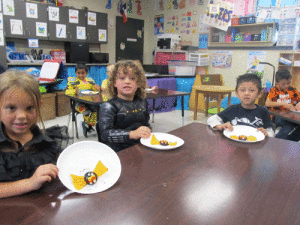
point(295, 111)
point(82, 157)
point(163, 136)
point(148, 89)
point(89, 92)
point(244, 130)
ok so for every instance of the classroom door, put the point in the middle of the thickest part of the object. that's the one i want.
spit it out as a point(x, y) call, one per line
point(129, 39)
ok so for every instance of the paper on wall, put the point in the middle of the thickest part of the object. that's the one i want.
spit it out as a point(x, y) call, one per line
point(1, 38)
point(102, 35)
point(1, 21)
point(16, 27)
point(61, 31)
point(73, 16)
point(41, 29)
point(53, 13)
point(92, 18)
point(9, 7)
point(80, 33)
point(31, 10)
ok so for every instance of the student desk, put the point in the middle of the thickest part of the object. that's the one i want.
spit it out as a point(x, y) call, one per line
point(211, 91)
point(209, 180)
point(286, 115)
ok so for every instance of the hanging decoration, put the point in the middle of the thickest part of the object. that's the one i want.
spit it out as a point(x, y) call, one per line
point(108, 5)
point(123, 12)
point(139, 7)
point(192, 2)
point(120, 4)
point(200, 2)
point(161, 5)
point(182, 4)
point(175, 3)
point(129, 7)
point(169, 5)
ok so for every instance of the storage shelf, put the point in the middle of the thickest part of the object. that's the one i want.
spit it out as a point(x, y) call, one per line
point(254, 28)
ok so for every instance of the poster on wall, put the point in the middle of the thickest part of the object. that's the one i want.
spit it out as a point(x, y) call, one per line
point(92, 18)
point(53, 13)
point(73, 16)
point(1, 38)
point(222, 59)
point(222, 19)
point(61, 31)
point(8, 7)
point(203, 41)
point(158, 24)
point(80, 31)
point(101, 35)
point(41, 29)
point(16, 27)
point(31, 10)
point(203, 28)
point(253, 66)
point(1, 21)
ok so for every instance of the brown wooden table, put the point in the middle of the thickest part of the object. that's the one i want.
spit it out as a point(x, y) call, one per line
point(208, 180)
point(211, 91)
point(286, 115)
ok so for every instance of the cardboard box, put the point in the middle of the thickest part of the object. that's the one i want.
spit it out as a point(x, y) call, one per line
point(228, 38)
point(48, 107)
point(234, 21)
point(63, 106)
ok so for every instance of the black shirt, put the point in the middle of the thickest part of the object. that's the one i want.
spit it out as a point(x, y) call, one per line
point(237, 115)
point(18, 162)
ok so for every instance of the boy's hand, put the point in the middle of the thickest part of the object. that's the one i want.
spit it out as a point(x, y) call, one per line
point(298, 106)
point(263, 131)
point(289, 106)
point(43, 174)
point(225, 126)
point(141, 132)
point(97, 87)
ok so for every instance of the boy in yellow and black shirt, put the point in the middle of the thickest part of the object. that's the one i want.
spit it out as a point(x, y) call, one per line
point(284, 97)
point(75, 86)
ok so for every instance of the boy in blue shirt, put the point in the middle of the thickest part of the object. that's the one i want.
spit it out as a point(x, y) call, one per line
point(248, 89)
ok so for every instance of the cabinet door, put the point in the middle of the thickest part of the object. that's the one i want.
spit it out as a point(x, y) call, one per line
point(58, 23)
point(77, 27)
point(36, 27)
point(13, 20)
point(93, 30)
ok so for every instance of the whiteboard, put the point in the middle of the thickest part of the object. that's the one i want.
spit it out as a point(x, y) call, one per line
point(49, 70)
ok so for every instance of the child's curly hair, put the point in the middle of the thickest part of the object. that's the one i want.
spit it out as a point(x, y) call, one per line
point(137, 70)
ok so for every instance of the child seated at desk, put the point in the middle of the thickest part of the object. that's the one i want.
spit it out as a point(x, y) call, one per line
point(124, 119)
point(248, 89)
point(75, 86)
point(284, 97)
point(27, 155)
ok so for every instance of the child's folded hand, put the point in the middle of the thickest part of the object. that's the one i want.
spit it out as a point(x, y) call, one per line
point(263, 131)
point(43, 174)
point(290, 106)
point(141, 132)
point(225, 126)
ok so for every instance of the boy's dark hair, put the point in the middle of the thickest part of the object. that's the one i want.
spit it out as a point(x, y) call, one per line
point(282, 75)
point(247, 78)
point(81, 66)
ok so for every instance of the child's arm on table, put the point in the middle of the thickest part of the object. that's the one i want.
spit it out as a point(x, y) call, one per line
point(270, 103)
point(267, 132)
point(216, 123)
point(44, 173)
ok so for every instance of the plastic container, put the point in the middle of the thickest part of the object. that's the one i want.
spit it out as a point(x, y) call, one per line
point(201, 59)
point(183, 68)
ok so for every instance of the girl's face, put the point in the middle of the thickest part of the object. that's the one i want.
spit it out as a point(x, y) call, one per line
point(81, 74)
point(126, 84)
point(17, 112)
